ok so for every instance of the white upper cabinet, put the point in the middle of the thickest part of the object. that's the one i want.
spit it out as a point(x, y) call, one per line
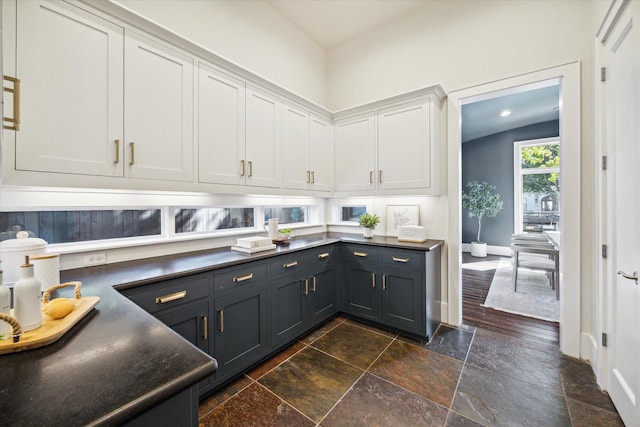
point(355, 153)
point(221, 127)
point(320, 153)
point(392, 149)
point(307, 150)
point(70, 66)
point(158, 111)
point(405, 148)
point(262, 166)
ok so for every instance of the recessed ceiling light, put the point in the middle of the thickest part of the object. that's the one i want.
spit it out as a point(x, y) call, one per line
point(505, 113)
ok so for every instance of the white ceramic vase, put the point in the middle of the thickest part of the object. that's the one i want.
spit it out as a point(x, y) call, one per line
point(367, 233)
point(478, 249)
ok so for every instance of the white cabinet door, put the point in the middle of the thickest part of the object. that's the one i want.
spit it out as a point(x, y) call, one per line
point(221, 127)
point(320, 153)
point(404, 146)
point(355, 153)
point(70, 65)
point(295, 140)
point(158, 111)
point(263, 139)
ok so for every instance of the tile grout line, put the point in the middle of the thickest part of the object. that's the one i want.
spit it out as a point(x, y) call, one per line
point(251, 381)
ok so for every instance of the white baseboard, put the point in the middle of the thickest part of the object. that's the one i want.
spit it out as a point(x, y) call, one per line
point(491, 250)
point(589, 352)
point(444, 313)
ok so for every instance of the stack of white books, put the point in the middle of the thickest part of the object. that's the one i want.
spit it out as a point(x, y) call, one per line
point(252, 245)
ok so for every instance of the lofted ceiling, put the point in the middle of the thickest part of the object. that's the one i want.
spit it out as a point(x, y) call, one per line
point(332, 22)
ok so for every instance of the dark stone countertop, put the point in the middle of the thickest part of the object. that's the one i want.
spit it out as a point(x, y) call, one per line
point(119, 360)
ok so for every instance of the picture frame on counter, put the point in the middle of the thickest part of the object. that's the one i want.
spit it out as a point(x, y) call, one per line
point(399, 215)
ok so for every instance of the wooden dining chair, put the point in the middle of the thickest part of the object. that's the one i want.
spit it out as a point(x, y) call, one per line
point(549, 264)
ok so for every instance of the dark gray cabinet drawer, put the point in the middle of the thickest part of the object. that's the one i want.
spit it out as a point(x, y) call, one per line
point(170, 293)
point(239, 276)
point(360, 253)
point(413, 260)
point(288, 263)
point(322, 255)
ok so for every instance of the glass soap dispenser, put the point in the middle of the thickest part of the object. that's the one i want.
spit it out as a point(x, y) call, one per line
point(27, 298)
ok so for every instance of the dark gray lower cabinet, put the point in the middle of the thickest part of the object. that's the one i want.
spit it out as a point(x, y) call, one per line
point(192, 323)
point(241, 334)
point(402, 305)
point(289, 295)
point(323, 293)
point(360, 289)
point(180, 410)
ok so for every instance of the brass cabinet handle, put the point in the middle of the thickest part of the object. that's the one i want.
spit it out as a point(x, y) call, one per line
point(313, 286)
point(238, 279)
point(242, 167)
point(308, 177)
point(250, 169)
point(221, 314)
point(373, 280)
point(171, 297)
point(132, 152)
point(313, 177)
point(117, 160)
point(384, 282)
point(323, 255)
point(16, 103)
point(380, 176)
point(398, 259)
point(306, 286)
point(205, 327)
point(290, 264)
point(361, 254)
point(370, 177)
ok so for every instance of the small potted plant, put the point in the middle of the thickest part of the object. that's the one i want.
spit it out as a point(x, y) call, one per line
point(481, 200)
point(368, 222)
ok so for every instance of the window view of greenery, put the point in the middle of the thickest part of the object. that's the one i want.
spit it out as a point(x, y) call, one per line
point(211, 219)
point(351, 213)
point(80, 226)
point(286, 215)
point(540, 168)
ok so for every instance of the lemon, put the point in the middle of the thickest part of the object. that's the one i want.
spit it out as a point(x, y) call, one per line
point(59, 308)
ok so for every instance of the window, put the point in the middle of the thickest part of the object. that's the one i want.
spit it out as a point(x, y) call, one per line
point(80, 226)
point(351, 213)
point(537, 184)
point(212, 219)
point(287, 215)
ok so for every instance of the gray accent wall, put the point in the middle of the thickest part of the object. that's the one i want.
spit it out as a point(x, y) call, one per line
point(490, 159)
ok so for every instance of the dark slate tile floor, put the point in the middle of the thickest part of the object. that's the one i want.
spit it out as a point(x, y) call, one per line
point(349, 374)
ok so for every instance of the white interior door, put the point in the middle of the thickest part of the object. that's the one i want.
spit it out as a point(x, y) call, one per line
point(622, 120)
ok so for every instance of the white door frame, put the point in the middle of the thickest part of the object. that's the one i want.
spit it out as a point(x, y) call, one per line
point(570, 135)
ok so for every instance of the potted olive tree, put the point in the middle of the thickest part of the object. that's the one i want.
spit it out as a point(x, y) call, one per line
point(481, 200)
point(368, 222)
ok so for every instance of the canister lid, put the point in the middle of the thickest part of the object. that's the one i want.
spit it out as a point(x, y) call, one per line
point(22, 242)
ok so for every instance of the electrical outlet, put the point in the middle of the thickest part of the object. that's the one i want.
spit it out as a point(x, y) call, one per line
point(97, 258)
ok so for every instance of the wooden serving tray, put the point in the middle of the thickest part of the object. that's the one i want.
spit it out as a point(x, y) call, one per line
point(51, 330)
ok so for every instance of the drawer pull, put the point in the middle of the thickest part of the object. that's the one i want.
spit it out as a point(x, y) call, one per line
point(243, 278)
point(397, 259)
point(221, 327)
point(171, 297)
point(384, 282)
point(205, 327)
point(313, 286)
point(373, 280)
point(306, 286)
point(323, 255)
point(290, 264)
point(361, 254)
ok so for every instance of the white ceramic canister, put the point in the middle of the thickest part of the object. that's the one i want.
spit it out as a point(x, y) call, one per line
point(271, 227)
point(46, 269)
point(13, 251)
point(5, 307)
point(27, 298)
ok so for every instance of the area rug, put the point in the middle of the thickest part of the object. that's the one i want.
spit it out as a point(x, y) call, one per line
point(534, 298)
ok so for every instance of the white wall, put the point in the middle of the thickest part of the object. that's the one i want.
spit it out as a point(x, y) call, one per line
point(249, 33)
point(458, 44)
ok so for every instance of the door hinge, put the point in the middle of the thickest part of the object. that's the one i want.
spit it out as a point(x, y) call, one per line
point(604, 339)
point(603, 74)
point(604, 163)
point(604, 251)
